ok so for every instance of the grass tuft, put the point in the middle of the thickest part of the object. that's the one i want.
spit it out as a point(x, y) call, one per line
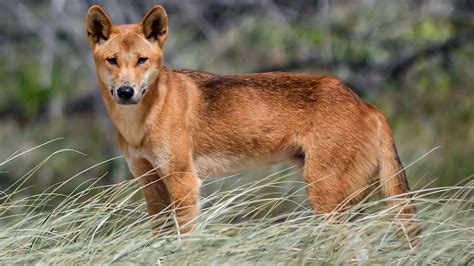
point(108, 225)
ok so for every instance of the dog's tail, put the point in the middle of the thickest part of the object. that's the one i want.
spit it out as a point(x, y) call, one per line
point(393, 180)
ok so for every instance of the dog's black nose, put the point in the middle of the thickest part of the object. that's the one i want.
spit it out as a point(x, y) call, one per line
point(125, 92)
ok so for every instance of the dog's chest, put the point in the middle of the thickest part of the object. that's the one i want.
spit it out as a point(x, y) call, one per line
point(158, 159)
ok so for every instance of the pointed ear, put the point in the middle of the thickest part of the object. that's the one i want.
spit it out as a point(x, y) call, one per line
point(155, 25)
point(98, 25)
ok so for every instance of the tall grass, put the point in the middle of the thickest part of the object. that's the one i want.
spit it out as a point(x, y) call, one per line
point(107, 225)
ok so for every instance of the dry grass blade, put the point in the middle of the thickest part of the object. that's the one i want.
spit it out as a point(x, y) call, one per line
point(107, 225)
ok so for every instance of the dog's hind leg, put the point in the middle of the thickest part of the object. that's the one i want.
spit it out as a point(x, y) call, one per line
point(337, 180)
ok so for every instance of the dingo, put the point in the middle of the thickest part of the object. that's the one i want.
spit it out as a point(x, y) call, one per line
point(175, 126)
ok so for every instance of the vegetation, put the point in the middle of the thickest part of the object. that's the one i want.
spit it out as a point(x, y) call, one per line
point(107, 225)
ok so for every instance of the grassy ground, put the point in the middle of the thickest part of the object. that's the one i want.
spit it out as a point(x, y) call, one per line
point(108, 225)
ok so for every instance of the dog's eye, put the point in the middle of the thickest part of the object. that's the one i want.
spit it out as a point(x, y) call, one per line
point(141, 60)
point(112, 60)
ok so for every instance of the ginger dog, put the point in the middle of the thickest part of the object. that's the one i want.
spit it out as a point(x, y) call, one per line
point(175, 126)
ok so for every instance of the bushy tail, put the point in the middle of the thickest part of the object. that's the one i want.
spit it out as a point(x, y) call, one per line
point(393, 180)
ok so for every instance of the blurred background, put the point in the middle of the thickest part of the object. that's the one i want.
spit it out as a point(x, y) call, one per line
point(412, 59)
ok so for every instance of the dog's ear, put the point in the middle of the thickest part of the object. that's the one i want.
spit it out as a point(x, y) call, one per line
point(155, 25)
point(98, 25)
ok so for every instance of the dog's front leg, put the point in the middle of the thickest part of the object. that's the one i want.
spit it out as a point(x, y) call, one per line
point(183, 186)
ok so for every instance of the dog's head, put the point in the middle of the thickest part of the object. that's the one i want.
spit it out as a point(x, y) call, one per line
point(128, 58)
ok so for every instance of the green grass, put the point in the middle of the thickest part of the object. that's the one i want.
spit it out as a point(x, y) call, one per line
point(243, 225)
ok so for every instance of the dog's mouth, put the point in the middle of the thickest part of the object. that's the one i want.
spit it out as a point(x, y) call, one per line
point(143, 89)
point(127, 102)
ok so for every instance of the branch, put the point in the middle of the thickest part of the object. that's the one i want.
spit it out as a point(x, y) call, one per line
point(392, 69)
point(313, 61)
point(397, 68)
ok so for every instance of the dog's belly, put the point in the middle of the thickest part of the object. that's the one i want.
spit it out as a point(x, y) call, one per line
point(218, 164)
point(215, 164)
